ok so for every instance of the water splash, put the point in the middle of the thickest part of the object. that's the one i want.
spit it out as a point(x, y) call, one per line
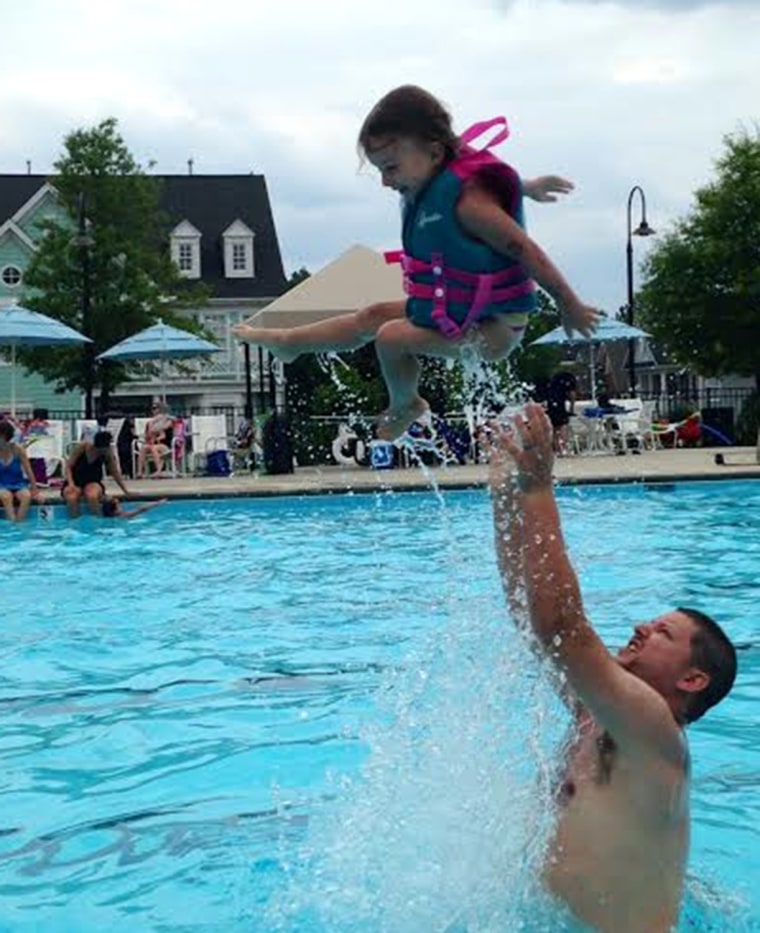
point(445, 826)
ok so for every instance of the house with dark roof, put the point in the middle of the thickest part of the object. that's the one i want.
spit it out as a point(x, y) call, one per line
point(221, 233)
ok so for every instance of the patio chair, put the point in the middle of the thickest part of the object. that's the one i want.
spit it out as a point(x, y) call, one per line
point(208, 433)
point(630, 430)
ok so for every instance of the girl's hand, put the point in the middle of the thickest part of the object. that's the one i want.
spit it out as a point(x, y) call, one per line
point(545, 188)
point(579, 317)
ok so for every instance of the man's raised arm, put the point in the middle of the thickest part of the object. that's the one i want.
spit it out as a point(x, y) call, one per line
point(626, 706)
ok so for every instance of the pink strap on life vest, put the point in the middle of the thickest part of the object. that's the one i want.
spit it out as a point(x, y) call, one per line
point(477, 129)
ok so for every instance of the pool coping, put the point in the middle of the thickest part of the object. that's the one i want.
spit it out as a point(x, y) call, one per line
point(650, 467)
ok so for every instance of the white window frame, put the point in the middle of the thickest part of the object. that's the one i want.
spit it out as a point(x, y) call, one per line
point(185, 237)
point(12, 267)
point(238, 245)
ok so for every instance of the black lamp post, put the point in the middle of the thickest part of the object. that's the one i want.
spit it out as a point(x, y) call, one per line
point(643, 229)
point(248, 383)
point(84, 242)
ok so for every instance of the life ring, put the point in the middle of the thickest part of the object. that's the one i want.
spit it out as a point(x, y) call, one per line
point(348, 449)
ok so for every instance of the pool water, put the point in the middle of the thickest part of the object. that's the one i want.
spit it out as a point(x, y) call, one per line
point(313, 714)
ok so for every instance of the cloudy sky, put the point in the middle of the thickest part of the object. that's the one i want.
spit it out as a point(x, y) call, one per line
point(611, 94)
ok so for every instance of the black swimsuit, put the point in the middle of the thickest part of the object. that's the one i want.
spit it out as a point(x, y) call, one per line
point(87, 471)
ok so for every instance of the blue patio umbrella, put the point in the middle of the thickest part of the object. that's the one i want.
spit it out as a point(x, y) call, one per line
point(609, 330)
point(160, 342)
point(20, 327)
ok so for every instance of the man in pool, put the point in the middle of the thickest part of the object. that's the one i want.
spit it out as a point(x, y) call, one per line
point(619, 848)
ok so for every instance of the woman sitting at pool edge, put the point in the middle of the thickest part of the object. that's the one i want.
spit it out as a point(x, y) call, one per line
point(84, 474)
point(18, 485)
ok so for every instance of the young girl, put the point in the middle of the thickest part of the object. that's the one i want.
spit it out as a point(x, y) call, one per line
point(468, 264)
point(18, 485)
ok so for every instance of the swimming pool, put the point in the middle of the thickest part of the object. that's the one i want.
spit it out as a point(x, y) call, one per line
point(187, 701)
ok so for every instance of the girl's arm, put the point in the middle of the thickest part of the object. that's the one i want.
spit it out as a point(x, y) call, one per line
point(482, 217)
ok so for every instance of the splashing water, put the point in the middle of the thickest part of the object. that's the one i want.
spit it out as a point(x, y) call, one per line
point(445, 827)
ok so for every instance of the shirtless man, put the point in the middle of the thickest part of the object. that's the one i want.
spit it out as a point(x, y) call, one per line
point(620, 845)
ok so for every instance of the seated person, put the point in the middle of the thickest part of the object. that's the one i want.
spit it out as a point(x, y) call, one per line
point(18, 485)
point(158, 441)
point(37, 426)
point(85, 470)
point(112, 508)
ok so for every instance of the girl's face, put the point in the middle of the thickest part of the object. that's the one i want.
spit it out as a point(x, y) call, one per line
point(406, 165)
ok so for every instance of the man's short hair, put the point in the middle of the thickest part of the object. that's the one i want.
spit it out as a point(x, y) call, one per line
point(713, 653)
point(102, 439)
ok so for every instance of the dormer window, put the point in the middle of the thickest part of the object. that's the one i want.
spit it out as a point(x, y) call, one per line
point(238, 251)
point(186, 249)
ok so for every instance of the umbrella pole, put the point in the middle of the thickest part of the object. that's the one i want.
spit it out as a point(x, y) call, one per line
point(13, 380)
point(592, 372)
point(163, 379)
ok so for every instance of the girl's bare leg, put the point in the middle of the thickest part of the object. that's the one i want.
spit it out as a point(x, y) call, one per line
point(399, 343)
point(346, 332)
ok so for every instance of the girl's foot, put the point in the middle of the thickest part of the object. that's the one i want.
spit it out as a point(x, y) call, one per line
point(273, 339)
point(394, 424)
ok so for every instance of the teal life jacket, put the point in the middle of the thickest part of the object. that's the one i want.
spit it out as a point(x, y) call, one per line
point(453, 280)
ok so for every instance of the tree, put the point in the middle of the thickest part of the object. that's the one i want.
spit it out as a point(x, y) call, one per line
point(701, 294)
point(104, 267)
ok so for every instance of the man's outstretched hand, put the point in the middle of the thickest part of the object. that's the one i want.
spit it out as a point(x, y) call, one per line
point(529, 441)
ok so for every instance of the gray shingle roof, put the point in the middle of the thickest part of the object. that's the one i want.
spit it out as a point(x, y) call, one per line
point(211, 203)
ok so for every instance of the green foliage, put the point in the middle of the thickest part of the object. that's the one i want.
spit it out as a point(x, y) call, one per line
point(701, 295)
point(132, 280)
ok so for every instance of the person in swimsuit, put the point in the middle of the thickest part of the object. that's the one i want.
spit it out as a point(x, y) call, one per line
point(618, 853)
point(85, 469)
point(18, 485)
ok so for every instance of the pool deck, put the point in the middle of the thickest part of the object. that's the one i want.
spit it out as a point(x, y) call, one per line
point(651, 467)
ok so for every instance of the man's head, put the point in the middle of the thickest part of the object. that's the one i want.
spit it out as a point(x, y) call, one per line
point(686, 656)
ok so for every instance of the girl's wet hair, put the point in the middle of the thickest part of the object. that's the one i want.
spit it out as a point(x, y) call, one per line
point(409, 112)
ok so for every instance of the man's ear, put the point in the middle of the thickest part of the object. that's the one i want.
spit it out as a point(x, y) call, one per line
point(693, 681)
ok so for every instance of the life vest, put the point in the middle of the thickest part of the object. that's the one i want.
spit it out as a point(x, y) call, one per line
point(452, 279)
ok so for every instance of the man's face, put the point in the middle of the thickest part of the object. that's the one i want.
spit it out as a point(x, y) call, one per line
point(404, 164)
point(660, 651)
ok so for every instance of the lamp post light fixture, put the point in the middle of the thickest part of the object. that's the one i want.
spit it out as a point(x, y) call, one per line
point(84, 243)
point(643, 229)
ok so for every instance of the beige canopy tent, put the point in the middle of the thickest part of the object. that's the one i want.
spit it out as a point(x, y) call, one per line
point(357, 278)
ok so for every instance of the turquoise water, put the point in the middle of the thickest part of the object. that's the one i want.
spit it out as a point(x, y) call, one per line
point(313, 715)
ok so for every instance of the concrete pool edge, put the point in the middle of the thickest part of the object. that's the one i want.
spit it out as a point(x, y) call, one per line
point(651, 467)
